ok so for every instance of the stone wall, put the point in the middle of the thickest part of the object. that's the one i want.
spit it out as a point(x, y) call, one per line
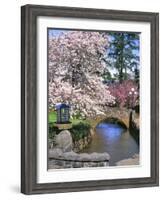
point(83, 142)
point(59, 159)
point(134, 125)
point(64, 156)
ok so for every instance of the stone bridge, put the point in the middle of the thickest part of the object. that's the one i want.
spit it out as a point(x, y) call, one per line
point(116, 114)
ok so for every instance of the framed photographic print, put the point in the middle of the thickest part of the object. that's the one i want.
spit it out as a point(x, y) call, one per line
point(89, 99)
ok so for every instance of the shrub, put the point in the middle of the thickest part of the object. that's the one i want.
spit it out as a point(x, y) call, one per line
point(53, 130)
point(80, 130)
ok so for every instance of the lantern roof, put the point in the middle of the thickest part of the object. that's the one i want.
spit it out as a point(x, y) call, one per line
point(61, 105)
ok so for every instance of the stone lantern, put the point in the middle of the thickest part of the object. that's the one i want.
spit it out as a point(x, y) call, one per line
point(63, 114)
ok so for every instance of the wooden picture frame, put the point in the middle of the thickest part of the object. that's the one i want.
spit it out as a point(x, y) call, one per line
point(29, 70)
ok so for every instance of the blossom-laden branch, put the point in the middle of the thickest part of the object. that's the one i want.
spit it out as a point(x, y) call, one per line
point(75, 68)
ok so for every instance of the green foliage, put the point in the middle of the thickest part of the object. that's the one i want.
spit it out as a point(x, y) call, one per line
point(137, 74)
point(80, 130)
point(52, 117)
point(108, 77)
point(53, 130)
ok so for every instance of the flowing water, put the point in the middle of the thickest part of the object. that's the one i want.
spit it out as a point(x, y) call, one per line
point(115, 140)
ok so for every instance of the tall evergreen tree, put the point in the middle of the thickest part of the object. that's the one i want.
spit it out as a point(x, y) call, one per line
point(123, 53)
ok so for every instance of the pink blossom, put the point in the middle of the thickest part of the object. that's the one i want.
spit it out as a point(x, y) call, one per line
point(125, 93)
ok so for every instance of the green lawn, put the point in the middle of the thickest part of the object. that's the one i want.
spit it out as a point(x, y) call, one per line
point(53, 118)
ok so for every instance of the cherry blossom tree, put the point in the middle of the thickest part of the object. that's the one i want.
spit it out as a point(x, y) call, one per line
point(75, 69)
point(126, 93)
point(87, 102)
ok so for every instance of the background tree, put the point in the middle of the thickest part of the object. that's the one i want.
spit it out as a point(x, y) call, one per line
point(126, 93)
point(123, 54)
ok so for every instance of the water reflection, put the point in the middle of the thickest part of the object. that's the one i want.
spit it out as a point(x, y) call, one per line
point(115, 140)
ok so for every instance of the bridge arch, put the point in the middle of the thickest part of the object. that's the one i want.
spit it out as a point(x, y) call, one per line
point(115, 115)
point(113, 120)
